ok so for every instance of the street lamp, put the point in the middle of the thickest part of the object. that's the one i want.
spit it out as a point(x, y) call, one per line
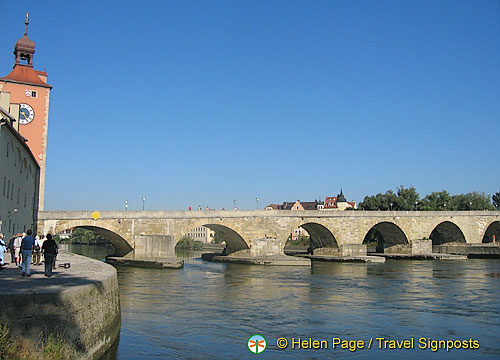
point(391, 206)
point(143, 200)
point(416, 203)
point(126, 205)
point(257, 200)
point(470, 206)
point(444, 206)
point(234, 202)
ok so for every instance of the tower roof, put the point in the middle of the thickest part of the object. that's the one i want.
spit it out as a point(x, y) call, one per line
point(341, 197)
point(24, 73)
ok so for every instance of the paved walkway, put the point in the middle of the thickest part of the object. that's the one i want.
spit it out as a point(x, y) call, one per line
point(82, 270)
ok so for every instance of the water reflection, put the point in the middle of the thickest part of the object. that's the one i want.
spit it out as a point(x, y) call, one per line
point(98, 252)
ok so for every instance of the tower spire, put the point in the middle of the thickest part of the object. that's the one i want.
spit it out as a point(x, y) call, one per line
point(26, 23)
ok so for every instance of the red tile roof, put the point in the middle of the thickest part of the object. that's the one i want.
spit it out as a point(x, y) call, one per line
point(26, 75)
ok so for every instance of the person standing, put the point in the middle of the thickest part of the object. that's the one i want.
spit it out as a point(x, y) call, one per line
point(17, 249)
point(37, 251)
point(49, 250)
point(11, 249)
point(27, 246)
point(3, 249)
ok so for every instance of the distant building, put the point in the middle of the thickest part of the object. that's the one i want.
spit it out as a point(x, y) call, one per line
point(297, 205)
point(65, 234)
point(338, 202)
point(297, 233)
point(202, 233)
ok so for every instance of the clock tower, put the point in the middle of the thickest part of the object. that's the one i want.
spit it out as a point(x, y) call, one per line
point(29, 102)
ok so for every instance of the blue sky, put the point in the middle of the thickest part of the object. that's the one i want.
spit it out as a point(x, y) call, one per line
point(206, 102)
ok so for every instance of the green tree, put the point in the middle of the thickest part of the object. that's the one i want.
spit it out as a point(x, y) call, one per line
point(187, 242)
point(496, 200)
point(404, 200)
point(217, 238)
point(437, 201)
point(407, 198)
point(84, 236)
point(471, 201)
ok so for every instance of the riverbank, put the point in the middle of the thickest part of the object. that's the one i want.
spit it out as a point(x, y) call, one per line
point(80, 302)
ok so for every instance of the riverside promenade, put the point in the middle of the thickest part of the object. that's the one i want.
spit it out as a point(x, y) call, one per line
point(80, 302)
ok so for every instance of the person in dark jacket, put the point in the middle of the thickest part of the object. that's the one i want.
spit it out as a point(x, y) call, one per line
point(49, 250)
point(11, 249)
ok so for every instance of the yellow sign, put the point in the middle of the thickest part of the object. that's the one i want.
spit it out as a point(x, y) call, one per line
point(95, 215)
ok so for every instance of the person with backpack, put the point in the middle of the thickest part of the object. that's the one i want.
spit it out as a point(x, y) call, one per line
point(37, 251)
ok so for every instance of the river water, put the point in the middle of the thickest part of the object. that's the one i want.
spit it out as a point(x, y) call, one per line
point(209, 310)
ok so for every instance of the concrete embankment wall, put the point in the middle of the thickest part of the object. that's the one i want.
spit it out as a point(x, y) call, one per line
point(81, 303)
point(471, 250)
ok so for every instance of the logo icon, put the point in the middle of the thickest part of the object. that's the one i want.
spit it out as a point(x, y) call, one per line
point(257, 344)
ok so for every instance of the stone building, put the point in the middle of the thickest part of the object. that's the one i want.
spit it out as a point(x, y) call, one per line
point(202, 233)
point(29, 96)
point(19, 177)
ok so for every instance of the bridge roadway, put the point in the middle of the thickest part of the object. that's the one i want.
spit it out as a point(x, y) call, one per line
point(263, 232)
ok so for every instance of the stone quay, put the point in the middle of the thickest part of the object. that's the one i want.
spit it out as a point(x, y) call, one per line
point(80, 302)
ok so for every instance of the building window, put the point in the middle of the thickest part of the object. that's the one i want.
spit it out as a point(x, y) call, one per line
point(4, 184)
point(33, 94)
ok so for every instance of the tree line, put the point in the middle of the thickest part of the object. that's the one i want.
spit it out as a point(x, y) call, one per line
point(408, 199)
point(83, 236)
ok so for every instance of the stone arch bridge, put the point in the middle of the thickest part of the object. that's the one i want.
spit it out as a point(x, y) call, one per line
point(260, 232)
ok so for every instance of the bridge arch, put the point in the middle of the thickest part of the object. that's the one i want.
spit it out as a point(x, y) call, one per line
point(447, 232)
point(384, 235)
point(122, 247)
point(492, 230)
point(320, 236)
point(234, 241)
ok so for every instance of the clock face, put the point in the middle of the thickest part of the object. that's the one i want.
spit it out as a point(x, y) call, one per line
point(26, 114)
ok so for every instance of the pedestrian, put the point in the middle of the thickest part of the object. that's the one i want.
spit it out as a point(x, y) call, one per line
point(27, 246)
point(17, 249)
point(49, 250)
point(11, 249)
point(3, 249)
point(37, 251)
